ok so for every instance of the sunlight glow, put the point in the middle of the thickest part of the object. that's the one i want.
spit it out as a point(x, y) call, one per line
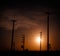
point(38, 40)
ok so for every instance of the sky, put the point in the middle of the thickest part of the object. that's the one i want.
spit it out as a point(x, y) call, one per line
point(31, 19)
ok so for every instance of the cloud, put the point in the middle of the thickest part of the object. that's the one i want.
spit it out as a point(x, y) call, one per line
point(24, 18)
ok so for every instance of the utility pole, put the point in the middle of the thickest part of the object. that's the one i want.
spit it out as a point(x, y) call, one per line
point(47, 30)
point(40, 40)
point(12, 40)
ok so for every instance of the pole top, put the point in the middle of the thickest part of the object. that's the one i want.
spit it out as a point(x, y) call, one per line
point(48, 13)
point(40, 32)
point(13, 20)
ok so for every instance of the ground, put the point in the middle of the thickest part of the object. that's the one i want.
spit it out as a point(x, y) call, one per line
point(30, 53)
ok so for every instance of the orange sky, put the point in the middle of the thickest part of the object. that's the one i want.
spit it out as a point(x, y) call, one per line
point(31, 23)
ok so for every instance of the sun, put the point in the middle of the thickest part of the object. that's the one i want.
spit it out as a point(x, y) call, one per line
point(38, 39)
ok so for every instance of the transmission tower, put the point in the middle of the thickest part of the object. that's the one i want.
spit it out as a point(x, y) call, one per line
point(23, 42)
point(12, 40)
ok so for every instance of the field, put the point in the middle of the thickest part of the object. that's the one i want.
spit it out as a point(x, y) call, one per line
point(29, 53)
